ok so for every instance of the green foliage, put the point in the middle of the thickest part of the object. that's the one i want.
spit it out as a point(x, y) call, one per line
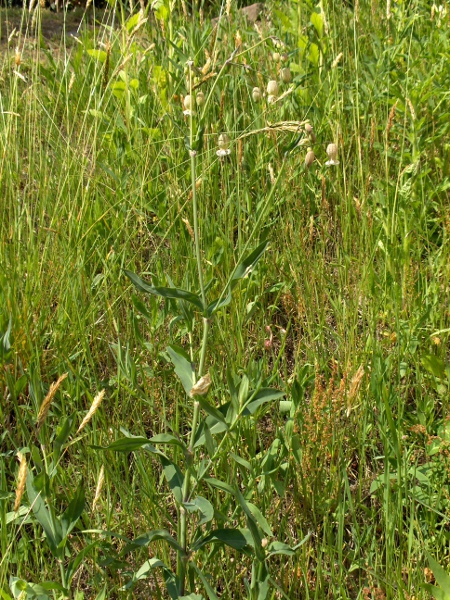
point(272, 339)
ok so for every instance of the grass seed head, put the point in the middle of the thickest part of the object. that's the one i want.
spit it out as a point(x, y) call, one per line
point(45, 406)
point(94, 406)
point(21, 479)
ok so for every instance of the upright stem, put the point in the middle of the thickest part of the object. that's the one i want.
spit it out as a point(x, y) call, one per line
point(183, 557)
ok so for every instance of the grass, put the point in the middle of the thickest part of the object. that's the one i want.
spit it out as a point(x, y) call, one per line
point(343, 321)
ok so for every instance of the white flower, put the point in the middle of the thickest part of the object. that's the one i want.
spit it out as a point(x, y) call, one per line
point(224, 145)
point(272, 88)
point(332, 151)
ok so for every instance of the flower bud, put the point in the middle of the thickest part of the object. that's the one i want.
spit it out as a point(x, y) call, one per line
point(276, 56)
point(256, 94)
point(200, 99)
point(309, 158)
point(286, 76)
point(189, 102)
point(272, 88)
point(332, 152)
point(310, 132)
point(271, 99)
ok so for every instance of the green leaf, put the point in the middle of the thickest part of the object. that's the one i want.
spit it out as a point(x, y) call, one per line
point(129, 444)
point(175, 478)
point(247, 265)
point(280, 548)
point(262, 397)
point(252, 526)
point(235, 538)
point(147, 538)
point(167, 438)
point(434, 365)
point(211, 410)
point(434, 591)
point(191, 597)
point(183, 367)
point(441, 576)
point(132, 22)
point(144, 571)
point(99, 55)
point(260, 519)
point(317, 21)
point(62, 437)
point(220, 485)
point(74, 564)
point(174, 293)
point(203, 506)
point(73, 512)
point(206, 584)
point(43, 516)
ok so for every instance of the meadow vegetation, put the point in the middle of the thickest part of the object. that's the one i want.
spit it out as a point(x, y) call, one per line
point(224, 302)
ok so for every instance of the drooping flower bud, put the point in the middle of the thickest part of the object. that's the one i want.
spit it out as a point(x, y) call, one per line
point(286, 76)
point(256, 94)
point(276, 56)
point(200, 99)
point(332, 152)
point(309, 158)
point(189, 105)
point(272, 88)
point(310, 132)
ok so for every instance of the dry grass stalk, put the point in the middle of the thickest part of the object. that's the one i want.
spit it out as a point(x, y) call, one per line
point(22, 477)
point(98, 489)
point(45, 406)
point(94, 406)
point(391, 119)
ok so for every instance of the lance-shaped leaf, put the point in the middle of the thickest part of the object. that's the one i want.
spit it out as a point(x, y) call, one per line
point(183, 367)
point(164, 292)
point(144, 571)
point(243, 269)
point(147, 538)
point(175, 478)
point(239, 539)
point(43, 516)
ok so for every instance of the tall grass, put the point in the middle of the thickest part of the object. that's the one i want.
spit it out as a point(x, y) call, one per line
point(346, 312)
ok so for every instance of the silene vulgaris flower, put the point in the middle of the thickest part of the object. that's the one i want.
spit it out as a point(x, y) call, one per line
point(332, 152)
point(189, 104)
point(224, 145)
